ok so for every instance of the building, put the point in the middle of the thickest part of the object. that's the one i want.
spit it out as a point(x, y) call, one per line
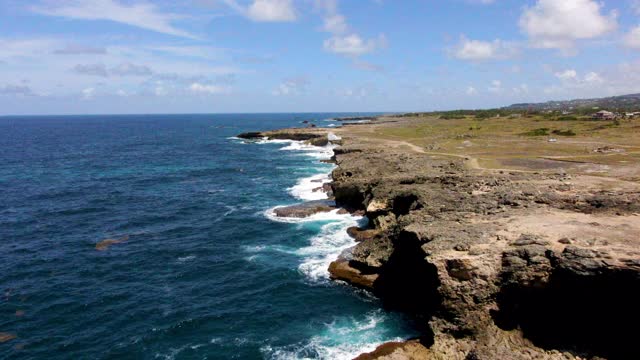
point(604, 115)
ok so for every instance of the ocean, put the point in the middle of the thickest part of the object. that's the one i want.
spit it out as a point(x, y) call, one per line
point(199, 268)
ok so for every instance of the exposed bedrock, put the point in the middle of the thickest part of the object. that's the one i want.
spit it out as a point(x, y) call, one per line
point(492, 266)
point(317, 137)
point(574, 300)
point(305, 209)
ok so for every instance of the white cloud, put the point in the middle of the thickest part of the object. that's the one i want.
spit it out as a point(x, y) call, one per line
point(570, 77)
point(495, 87)
point(358, 92)
point(476, 50)
point(554, 24)
point(143, 15)
point(129, 69)
point(266, 10)
point(15, 48)
point(567, 75)
point(635, 6)
point(335, 23)
point(344, 41)
point(123, 69)
point(593, 78)
point(199, 88)
point(91, 69)
point(16, 89)
point(365, 65)
point(77, 49)
point(291, 86)
point(160, 91)
point(88, 93)
point(522, 89)
point(272, 10)
point(632, 38)
point(471, 90)
point(353, 44)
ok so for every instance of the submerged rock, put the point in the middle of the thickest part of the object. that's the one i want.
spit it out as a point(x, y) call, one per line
point(5, 336)
point(105, 244)
point(250, 135)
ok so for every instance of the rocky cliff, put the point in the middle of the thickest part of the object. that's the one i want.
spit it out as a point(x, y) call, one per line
point(490, 264)
point(502, 265)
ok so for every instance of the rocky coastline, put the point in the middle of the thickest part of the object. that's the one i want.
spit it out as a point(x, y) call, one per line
point(489, 264)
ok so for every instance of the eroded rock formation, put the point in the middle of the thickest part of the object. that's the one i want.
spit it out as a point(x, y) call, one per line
point(490, 264)
point(496, 265)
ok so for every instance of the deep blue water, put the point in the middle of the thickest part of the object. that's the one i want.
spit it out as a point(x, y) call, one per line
point(204, 274)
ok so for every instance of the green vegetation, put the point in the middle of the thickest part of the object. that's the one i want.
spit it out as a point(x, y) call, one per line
point(537, 132)
point(564, 132)
point(567, 118)
point(452, 116)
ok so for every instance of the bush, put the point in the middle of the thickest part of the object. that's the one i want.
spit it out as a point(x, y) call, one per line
point(451, 116)
point(564, 132)
point(537, 132)
point(567, 118)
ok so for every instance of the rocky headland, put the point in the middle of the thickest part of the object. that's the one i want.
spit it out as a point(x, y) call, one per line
point(490, 262)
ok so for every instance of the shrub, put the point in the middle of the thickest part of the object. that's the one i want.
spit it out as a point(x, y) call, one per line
point(537, 132)
point(451, 116)
point(564, 132)
point(567, 118)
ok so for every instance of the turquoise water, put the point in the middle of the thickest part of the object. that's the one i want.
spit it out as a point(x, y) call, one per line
point(205, 273)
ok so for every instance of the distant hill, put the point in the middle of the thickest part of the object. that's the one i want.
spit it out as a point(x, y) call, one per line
point(622, 102)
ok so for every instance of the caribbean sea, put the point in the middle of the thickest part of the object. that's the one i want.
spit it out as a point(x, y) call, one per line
point(199, 268)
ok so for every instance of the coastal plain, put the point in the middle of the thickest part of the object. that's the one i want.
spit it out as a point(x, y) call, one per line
point(510, 237)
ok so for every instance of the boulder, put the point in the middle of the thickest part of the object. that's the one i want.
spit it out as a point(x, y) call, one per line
point(251, 135)
point(342, 269)
point(360, 235)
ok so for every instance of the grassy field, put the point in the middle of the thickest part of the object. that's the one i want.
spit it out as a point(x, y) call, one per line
point(580, 145)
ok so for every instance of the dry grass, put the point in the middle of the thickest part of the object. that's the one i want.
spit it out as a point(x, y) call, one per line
point(495, 143)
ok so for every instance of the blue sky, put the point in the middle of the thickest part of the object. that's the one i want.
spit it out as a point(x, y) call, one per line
point(140, 56)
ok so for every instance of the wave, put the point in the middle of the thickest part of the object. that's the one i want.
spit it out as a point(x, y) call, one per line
point(318, 152)
point(304, 189)
point(333, 215)
point(266, 140)
point(184, 259)
point(344, 338)
point(326, 247)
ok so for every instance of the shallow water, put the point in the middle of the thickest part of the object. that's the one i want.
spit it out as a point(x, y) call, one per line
point(206, 271)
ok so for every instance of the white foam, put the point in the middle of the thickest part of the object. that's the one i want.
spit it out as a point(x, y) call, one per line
point(318, 152)
point(343, 339)
point(332, 215)
point(266, 140)
point(326, 247)
point(186, 258)
point(304, 189)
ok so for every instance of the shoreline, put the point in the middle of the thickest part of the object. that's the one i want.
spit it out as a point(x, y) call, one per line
point(333, 240)
point(480, 258)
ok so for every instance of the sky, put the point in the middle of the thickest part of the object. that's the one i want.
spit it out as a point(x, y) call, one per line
point(221, 56)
